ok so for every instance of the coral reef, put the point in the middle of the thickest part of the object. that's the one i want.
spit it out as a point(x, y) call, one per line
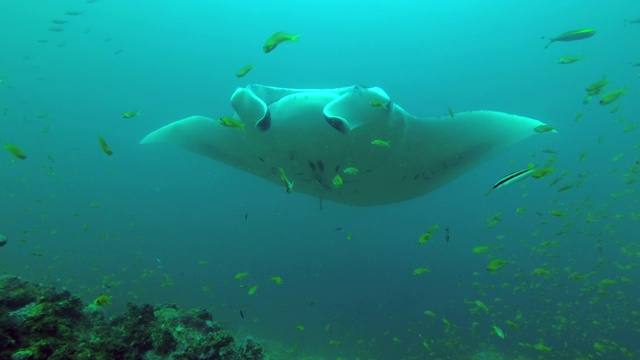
point(36, 322)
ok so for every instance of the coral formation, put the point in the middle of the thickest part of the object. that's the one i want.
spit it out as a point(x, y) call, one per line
point(36, 322)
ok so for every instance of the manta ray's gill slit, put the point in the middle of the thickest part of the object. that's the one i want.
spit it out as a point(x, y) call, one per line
point(337, 168)
point(320, 165)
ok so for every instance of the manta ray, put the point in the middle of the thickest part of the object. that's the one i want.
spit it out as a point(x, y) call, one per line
point(314, 135)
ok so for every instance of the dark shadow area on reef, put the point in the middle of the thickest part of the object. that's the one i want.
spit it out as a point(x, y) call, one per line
point(36, 322)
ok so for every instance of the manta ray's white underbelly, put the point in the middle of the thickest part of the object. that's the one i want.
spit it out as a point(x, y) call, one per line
point(314, 135)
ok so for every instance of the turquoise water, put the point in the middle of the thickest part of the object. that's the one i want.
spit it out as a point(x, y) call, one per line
point(158, 224)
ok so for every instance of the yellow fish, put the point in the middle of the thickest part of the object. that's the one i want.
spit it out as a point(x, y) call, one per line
point(277, 280)
point(480, 249)
point(252, 290)
point(105, 147)
point(424, 238)
point(542, 347)
point(541, 272)
point(612, 96)
point(427, 236)
point(231, 123)
point(569, 59)
point(599, 347)
point(241, 275)
point(495, 265)
point(129, 114)
point(381, 143)
point(512, 324)
point(244, 71)
point(596, 87)
point(351, 171)
point(540, 173)
point(421, 271)
point(571, 36)
point(451, 112)
point(278, 38)
point(15, 151)
point(337, 181)
point(543, 128)
point(482, 305)
point(379, 104)
point(287, 184)
point(498, 331)
point(102, 300)
point(430, 313)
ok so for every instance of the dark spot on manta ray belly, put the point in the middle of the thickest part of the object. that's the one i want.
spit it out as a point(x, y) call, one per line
point(423, 175)
point(320, 165)
point(312, 165)
point(337, 168)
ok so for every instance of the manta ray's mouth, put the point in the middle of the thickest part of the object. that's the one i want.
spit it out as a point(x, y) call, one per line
point(287, 129)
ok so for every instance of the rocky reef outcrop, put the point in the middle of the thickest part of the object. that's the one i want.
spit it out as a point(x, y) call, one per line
point(38, 322)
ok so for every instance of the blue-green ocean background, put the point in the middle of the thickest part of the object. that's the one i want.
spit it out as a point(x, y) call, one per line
point(158, 224)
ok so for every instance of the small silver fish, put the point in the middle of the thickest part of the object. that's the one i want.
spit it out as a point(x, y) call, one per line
point(513, 177)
